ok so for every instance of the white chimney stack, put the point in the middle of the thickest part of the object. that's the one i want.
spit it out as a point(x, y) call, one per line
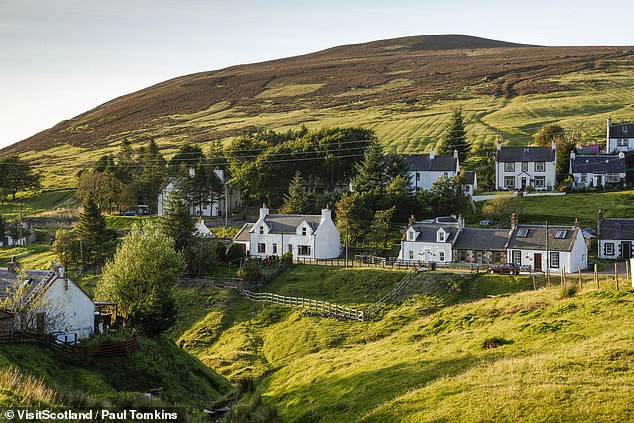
point(326, 214)
point(264, 211)
point(431, 154)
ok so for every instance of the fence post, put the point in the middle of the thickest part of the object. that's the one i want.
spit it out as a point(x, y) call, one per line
point(616, 275)
point(596, 274)
point(580, 280)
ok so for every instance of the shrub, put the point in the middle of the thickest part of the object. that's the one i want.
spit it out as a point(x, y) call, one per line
point(494, 342)
point(251, 272)
point(569, 291)
point(235, 253)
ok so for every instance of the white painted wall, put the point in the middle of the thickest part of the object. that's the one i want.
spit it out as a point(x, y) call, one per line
point(425, 251)
point(617, 248)
point(550, 173)
point(427, 178)
point(78, 310)
point(571, 260)
point(612, 147)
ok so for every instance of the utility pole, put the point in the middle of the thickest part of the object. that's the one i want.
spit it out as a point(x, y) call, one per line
point(547, 257)
point(20, 225)
point(346, 241)
point(226, 206)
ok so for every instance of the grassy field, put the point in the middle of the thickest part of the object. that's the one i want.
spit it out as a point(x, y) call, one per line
point(491, 356)
point(48, 379)
point(562, 210)
point(32, 204)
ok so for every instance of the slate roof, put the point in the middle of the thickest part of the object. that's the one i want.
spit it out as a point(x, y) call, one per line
point(418, 163)
point(481, 239)
point(616, 228)
point(598, 164)
point(288, 223)
point(37, 279)
point(244, 234)
point(536, 238)
point(427, 229)
point(525, 154)
point(617, 130)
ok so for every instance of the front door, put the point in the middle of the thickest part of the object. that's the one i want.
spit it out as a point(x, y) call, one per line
point(599, 180)
point(626, 250)
point(479, 257)
point(537, 262)
point(523, 183)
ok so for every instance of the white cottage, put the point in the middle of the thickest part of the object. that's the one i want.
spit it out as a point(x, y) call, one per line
point(541, 248)
point(305, 236)
point(616, 237)
point(68, 309)
point(619, 137)
point(591, 171)
point(426, 169)
point(519, 167)
point(430, 240)
point(227, 200)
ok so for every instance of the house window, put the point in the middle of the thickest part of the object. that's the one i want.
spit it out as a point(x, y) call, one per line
point(540, 166)
point(540, 181)
point(204, 206)
point(509, 181)
point(410, 235)
point(441, 255)
point(621, 142)
point(509, 167)
point(261, 230)
point(446, 175)
point(411, 255)
point(303, 231)
point(441, 236)
point(554, 260)
point(624, 128)
point(524, 166)
point(462, 256)
point(517, 257)
point(609, 249)
point(613, 177)
point(261, 247)
point(418, 176)
point(303, 250)
point(274, 248)
point(497, 257)
point(584, 178)
point(290, 248)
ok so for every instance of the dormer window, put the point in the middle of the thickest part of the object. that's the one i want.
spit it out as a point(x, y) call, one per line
point(261, 230)
point(441, 236)
point(625, 129)
point(411, 235)
point(303, 231)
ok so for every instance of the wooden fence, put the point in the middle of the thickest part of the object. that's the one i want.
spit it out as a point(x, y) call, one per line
point(394, 292)
point(325, 307)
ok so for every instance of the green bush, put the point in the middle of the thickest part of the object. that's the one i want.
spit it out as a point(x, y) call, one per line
point(569, 291)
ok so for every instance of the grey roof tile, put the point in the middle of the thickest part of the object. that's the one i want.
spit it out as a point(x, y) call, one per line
point(536, 238)
point(525, 154)
point(598, 164)
point(418, 163)
point(481, 239)
point(616, 228)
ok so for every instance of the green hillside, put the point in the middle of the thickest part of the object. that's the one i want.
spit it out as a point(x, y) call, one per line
point(403, 89)
point(529, 356)
point(60, 381)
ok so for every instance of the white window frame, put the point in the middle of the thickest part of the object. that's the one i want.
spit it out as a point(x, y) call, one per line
point(411, 235)
point(261, 248)
point(411, 254)
point(540, 166)
point(524, 166)
point(441, 236)
point(506, 181)
point(274, 249)
point(621, 142)
point(441, 255)
point(608, 249)
point(540, 181)
point(509, 166)
point(304, 231)
point(612, 177)
point(261, 229)
point(553, 260)
point(303, 250)
point(583, 178)
point(516, 255)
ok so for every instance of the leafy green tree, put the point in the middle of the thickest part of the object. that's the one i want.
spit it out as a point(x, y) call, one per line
point(250, 272)
point(201, 256)
point(187, 156)
point(352, 217)
point(105, 163)
point(235, 253)
point(500, 207)
point(141, 277)
point(126, 164)
point(204, 187)
point(177, 222)
point(564, 148)
point(371, 171)
point(17, 175)
point(66, 247)
point(103, 188)
point(549, 133)
point(444, 197)
point(380, 227)
point(454, 137)
point(298, 200)
point(1, 228)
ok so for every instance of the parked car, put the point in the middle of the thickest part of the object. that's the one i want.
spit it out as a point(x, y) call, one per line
point(128, 213)
point(486, 222)
point(143, 210)
point(506, 269)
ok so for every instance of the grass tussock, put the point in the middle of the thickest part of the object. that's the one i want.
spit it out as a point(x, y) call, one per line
point(24, 389)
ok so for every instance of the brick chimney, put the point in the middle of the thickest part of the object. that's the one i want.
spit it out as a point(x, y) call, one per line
point(514, 221)
point(576, 222)
point(411, 220)
point(460, 221)
point(599, 219)
point(13, 266)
